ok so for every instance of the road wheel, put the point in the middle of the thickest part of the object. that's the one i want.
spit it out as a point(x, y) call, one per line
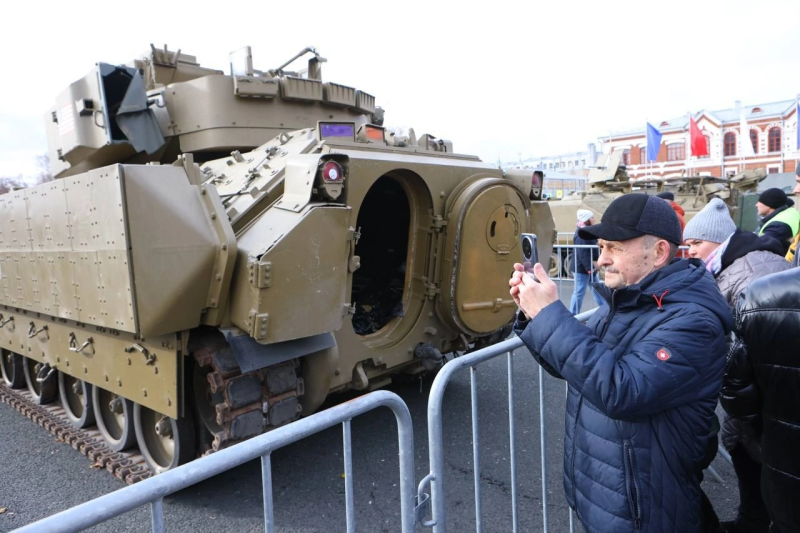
point(11, 365)
point(76, 398)
point(164, 442)
point(42, 380)
point(114, 416)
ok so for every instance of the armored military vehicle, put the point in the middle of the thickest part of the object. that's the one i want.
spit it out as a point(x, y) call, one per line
point(221, 252)
point(608, 179)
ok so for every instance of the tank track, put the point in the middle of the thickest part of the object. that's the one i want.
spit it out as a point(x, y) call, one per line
point(251, 404)
point(129, 467)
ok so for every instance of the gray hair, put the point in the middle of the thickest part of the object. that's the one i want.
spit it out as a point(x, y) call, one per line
point(651, 240)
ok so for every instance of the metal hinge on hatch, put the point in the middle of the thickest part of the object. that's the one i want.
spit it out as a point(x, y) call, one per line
point(353, 234)
point(354, 261)
point(431, 290)
point(260, 274)
point(438, 223)
point(257, 323)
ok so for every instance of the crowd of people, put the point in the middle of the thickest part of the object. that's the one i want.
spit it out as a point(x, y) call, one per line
point(684, 353)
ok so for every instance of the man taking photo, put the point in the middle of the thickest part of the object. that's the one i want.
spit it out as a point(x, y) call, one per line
point(643, 374)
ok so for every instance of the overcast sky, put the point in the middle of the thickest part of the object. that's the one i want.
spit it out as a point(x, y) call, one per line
point(497, 78)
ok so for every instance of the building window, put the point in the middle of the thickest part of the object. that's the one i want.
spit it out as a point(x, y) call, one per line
point(730, 144)
point(754, 140)
point(643, 155)
point(773, 170)
point(626, 157)
point(676, 152)
point(775, 140)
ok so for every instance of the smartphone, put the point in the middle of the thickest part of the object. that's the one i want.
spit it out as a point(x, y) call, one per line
point(529, 255)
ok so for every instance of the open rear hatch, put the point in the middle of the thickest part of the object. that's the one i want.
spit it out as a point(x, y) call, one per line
point(485, 221)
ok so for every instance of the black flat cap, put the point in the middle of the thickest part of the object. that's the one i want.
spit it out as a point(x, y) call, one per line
point(666, 195)
point(634, 215)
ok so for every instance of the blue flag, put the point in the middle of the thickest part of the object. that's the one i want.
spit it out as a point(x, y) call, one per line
point(797, 114)
point(653, 142)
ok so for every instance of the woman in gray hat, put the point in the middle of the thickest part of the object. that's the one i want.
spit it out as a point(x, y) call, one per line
point(736, 258)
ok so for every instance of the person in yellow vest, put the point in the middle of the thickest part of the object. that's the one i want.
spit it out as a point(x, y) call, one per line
point(778, 219)
point(791, 256)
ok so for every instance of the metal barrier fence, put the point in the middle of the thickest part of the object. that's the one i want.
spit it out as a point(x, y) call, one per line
point(154, 489)
point(435, 438)
point(412, 510)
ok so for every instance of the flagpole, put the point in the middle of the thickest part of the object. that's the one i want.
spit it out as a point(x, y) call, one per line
point(689, 158)
point(797, 132)
point(647, 151)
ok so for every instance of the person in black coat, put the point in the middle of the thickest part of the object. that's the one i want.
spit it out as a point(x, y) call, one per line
point(779, 219)
point(762, 387)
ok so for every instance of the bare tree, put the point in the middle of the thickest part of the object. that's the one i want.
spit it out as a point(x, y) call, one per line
point(40, 174)
point(43, 172)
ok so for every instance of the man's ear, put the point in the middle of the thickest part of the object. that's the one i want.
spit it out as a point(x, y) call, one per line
point(662, 253)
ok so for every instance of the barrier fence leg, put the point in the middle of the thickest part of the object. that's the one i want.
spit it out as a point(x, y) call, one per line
point(725, 455)
point(714, 474)
point(560, 263)
point(571, 512)
point(476, 448)
point(544, 448)
point(512, 445)
point(157, 513)
point(266, 485)
point(348, 477)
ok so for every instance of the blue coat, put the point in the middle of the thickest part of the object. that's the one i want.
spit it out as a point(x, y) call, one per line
point(582, 258)
point(644, 375)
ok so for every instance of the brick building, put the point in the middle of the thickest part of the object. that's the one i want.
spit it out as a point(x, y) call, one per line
point(772, 131)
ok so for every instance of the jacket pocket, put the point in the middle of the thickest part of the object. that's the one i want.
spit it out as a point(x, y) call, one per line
point(632, 485)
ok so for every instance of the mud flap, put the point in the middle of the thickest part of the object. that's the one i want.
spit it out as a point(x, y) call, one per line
point(253, 356)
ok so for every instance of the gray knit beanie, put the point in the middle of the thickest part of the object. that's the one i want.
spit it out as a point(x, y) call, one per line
point(713, 223)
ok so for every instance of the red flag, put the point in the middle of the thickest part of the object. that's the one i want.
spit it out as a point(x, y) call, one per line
point(696, 139)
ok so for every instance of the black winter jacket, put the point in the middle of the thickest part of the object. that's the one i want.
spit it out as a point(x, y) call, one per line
point(582, 258)
point(763, 381)
point(779, 231)
point(747, 258)
point(644, 375)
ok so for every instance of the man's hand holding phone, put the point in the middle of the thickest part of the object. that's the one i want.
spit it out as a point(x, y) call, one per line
point(531, 287)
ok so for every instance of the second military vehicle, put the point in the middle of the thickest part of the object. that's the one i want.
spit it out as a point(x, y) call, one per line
point(608, 179)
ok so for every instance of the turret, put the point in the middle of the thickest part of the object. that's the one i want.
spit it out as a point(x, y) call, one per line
point(164, 104)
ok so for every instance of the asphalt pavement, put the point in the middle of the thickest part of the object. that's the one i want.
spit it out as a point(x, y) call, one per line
point(40, 476)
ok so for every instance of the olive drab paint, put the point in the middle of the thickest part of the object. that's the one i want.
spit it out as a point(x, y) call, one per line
point(199, 220)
